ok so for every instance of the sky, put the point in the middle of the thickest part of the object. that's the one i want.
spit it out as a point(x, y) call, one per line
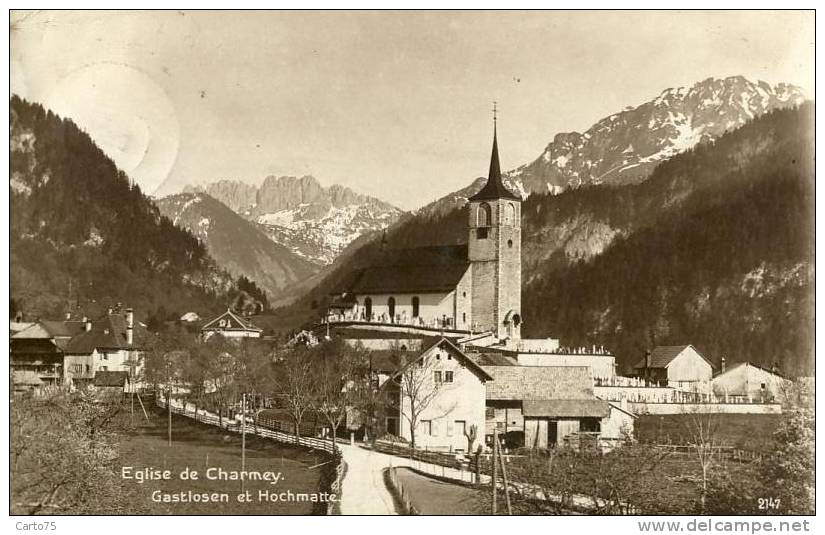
point(392, 104)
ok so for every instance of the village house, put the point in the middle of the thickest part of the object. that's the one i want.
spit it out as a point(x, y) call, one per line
point(231, 325)
point(37, 351)
point(748, 381)
point(438, 387)
point(539, 407)
point(677, 366)
point(112, 343)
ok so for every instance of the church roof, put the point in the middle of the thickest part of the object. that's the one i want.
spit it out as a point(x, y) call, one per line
point(494, 188)
point(420, 269)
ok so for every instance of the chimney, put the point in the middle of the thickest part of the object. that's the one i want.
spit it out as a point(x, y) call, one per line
point(88, 324)
point(130, 326)
point(722, 364)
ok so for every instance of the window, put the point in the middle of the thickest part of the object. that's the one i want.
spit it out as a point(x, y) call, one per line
point(368, 308)
point(460, 427)
point(510, 244)
point(464, 317)
point(448, 377)
point(437, 377)
point(509, 214)
point(484, 215)
point(449, 429)
point(415, 306)
point(427, 427)
point(434, 428)
point(590, 425)
point(391, 308)
point(481, 233)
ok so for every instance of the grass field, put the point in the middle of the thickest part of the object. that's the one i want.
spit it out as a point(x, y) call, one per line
point(752, 432)
point(197, 446)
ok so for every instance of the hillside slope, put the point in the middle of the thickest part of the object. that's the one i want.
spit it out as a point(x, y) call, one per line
point(669, 260)
point(83, 237)
point(236, 244)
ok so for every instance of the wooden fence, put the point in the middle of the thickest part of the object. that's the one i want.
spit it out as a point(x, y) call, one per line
point(252, 428)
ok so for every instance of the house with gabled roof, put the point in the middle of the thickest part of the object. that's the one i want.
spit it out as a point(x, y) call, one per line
point(231, 325)
point(436, 390)
point(538, 406)
point(749, 381)
point(681, 365)
point(37, 351)
point(114, 342)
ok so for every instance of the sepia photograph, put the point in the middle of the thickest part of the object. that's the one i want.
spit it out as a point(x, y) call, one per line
point(426, 262)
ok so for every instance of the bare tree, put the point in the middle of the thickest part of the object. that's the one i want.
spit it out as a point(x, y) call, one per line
point(340, 377)
point(295, 381)
point(703, 433)
point(418, 389)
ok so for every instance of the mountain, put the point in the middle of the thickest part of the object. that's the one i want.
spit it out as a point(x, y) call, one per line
point(237, 245)
point(625, 147)
point(714, 248)
point(83, 237)
point(314, 222)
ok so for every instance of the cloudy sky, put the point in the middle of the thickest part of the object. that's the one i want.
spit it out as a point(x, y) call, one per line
point(392, 104)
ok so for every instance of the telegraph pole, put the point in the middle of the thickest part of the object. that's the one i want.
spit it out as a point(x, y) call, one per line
point(495, 468)
point(243, 432)
point(504, 477)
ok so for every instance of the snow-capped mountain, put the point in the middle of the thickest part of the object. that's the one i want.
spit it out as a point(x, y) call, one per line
point(314, 222)
point(624, 147)
point(237, 245)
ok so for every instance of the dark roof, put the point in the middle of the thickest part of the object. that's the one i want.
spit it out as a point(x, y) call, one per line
point(107, 378)
point(108, 332)
point(494, 188)
point(662, 356)
point(492, 359)
point(64, 329)
point(539, 383)
point(566, 408)
point(431, 255)
point(410, 279)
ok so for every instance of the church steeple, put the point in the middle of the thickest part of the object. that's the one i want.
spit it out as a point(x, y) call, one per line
point(494, 188)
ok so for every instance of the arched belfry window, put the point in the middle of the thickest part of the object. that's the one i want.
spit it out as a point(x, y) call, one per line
point(509, 214)
point(484, 216)
point(368, 308)
point(415, 306)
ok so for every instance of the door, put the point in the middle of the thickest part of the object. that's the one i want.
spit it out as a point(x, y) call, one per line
point(552, 433)
point(392, 426)
point(391, 307)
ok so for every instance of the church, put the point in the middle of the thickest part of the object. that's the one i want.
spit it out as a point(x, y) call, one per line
point(460, 289)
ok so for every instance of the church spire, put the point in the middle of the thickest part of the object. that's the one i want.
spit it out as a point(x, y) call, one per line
point(494, 188)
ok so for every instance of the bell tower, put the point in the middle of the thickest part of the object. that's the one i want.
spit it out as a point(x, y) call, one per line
point(494, 251)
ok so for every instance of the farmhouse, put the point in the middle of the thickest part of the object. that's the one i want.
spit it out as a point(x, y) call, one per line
point(540, 407)
point(438, 391)
point(681, 366)
point(231, 325)
point(37, 352)
point(750, 381)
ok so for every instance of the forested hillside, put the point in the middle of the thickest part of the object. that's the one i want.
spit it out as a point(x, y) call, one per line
point(83, 237)
point(714, 249)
